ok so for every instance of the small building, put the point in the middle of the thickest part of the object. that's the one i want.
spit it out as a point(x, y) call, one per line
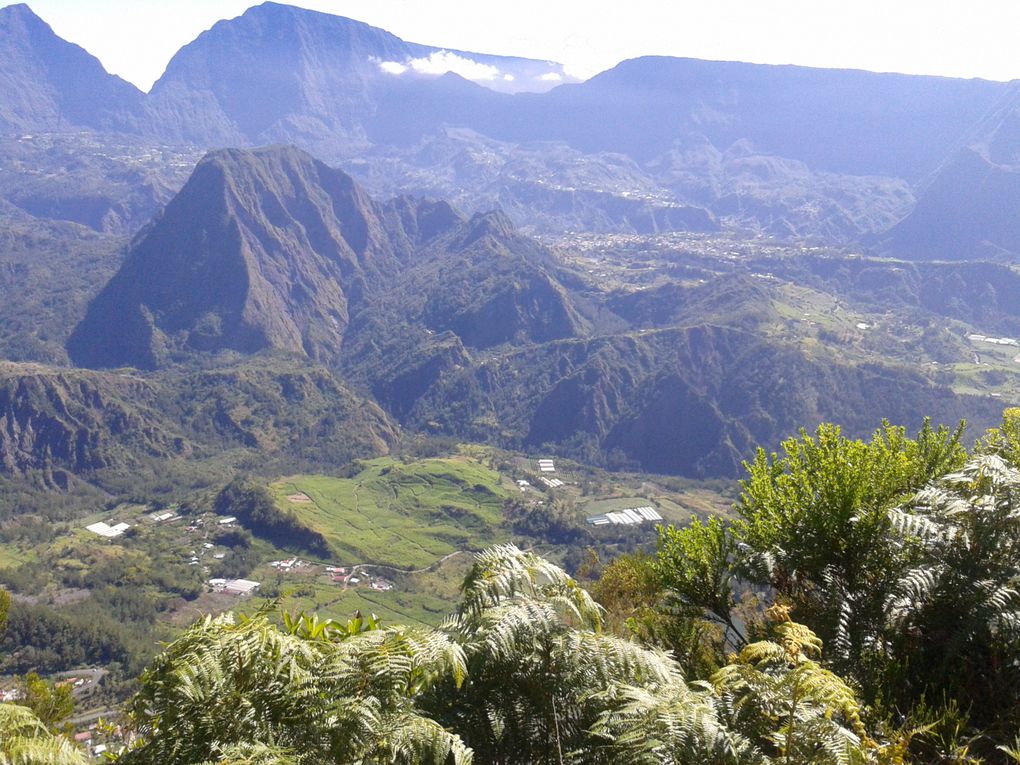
point(227, 521)
point(630, 516)
point(103, 529)
point(240, 587)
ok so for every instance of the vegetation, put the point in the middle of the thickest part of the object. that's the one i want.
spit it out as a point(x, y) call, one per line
point(861, 608)
point(253, 505)
point(406, 516)
point(859, 605)
point(25, 726)
point(899, 553)
point(522, 671)
point(25, 740)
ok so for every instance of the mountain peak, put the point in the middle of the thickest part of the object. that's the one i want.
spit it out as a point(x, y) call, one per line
point(19, 11)
point(48, 83)
point(493, 224)
point(20, 25)
point(280, 11)
point(262, 248)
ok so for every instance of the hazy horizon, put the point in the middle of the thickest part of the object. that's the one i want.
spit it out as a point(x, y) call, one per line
point(136, 40)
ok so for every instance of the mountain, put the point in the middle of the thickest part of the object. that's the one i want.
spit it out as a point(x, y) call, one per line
point(969, 209)
point(58, 422)
point(466, 327)
point(280, 73)
point(691, 400)
point(982, 294)
point(49, 84)
point(654, 144)
point(272, 249)
point(840, 121)
point(57, 425)
point(260, 249)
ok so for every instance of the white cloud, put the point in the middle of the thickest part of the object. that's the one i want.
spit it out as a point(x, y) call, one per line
point(443, 61)
point(392, 67)
point(551, 77)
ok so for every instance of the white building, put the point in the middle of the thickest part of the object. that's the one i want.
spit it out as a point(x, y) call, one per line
point(103, 529)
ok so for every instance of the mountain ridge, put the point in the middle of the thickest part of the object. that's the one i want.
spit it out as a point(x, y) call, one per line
point(792, 151)
point(49, 83)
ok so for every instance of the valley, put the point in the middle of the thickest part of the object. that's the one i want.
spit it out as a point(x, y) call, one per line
point(397, 535)
point(310, 325)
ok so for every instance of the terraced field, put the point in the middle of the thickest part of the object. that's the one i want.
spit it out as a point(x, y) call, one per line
point(403, 515)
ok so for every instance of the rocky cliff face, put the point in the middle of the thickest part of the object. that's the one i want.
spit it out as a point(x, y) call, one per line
point(58, 423)
point(260, 249)
point(71, 420)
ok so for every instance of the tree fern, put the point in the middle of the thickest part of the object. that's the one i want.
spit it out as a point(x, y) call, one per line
point(24, 740)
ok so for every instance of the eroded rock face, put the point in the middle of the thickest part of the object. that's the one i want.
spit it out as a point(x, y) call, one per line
point(81, 422)
point(260, 249)
point(77, 421)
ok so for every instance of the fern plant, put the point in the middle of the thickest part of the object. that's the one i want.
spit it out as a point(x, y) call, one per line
point(953, 617)
point(792, 708)
point(225, 685)
point(25, 740)
point(521, 672)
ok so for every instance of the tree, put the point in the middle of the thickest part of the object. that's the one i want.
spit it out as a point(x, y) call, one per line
point(5, 607)
point(1005, 439)
point(814, 526)
point(953, 616)
point(25, 739)
point(696, 565)
point(630, 592)
point(51, 704)
point(229, 690)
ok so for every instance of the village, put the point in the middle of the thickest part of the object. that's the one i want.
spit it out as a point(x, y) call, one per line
point(208, 544)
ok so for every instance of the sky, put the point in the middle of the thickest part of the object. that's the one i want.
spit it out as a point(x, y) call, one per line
point(976, 38)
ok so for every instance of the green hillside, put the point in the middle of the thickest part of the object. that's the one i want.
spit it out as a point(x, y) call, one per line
point(401, 515)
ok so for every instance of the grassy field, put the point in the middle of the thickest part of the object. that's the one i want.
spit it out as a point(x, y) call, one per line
point(425, 598)
point(12, 555)
point(403, 515)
